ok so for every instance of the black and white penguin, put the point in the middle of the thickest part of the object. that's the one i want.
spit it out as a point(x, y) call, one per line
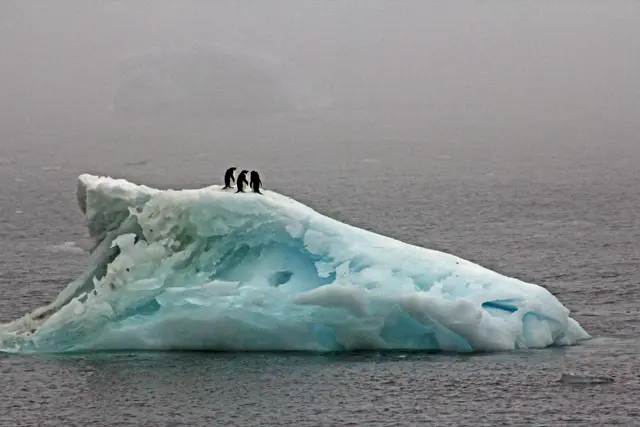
point(242, 181)
point(255, 182)
point(228, 177)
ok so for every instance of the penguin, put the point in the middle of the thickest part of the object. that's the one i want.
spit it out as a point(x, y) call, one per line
point(255, 182)
point(242, 181)
point(228, 177)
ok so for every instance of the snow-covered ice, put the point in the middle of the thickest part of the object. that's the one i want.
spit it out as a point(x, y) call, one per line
point(210, 269)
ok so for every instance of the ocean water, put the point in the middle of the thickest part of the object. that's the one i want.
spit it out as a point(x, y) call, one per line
point(553, 205)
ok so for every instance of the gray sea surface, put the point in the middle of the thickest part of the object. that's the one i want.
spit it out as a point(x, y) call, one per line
point(543, 208)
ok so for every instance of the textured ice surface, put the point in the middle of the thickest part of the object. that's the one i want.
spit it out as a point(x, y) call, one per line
point(210, 269)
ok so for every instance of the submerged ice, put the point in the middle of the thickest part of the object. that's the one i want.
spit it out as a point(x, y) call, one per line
point(211, 270)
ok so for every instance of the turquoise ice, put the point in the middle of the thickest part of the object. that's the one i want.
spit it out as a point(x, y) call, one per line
point(208, 269)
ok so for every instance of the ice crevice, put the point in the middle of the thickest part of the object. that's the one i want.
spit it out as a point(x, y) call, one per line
point(208, 269)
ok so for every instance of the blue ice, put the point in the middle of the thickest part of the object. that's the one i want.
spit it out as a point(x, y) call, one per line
point(207, 269)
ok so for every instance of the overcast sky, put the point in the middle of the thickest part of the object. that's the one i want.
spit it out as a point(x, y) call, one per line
point(457, 61)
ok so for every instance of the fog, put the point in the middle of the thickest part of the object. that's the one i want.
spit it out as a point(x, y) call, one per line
point(186, 64)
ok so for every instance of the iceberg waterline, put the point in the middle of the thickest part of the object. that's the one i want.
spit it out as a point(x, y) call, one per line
point(207, 269)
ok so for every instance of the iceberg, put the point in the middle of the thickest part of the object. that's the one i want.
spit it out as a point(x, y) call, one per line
point(207, 269)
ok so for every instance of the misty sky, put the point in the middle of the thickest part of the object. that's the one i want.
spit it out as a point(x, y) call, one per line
point(454, 61)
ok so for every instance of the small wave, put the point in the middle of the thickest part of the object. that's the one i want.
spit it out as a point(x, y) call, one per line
point(68, 247)
point(137, 163)
point(584, 379)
